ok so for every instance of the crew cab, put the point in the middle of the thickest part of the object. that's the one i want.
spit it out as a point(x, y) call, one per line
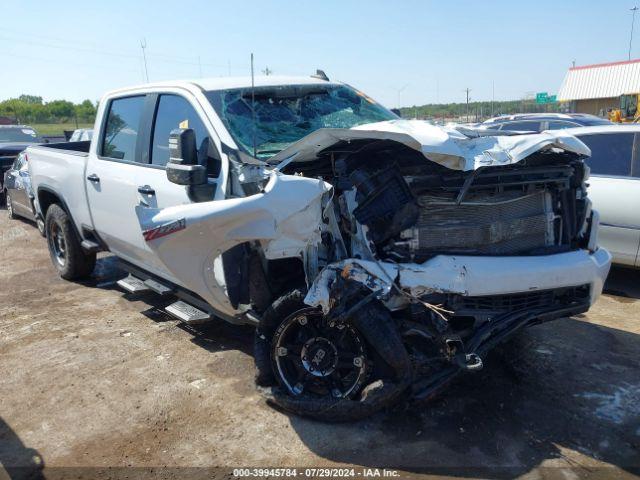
point(377, 257)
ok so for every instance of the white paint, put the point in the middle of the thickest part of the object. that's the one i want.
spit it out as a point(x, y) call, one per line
point(476, 276)
point(285, 219)
point(443, 145)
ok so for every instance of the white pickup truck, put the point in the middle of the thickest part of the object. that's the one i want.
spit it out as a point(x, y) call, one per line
point(377, 257)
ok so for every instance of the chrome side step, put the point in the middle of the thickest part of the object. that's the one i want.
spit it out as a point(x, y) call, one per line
point(159, 288)
point(90, 246)
point(132, 284)
point(187, 313)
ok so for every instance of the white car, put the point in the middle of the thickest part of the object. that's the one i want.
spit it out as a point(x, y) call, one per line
point(81, 135)
point(378, 257)
point(614, 187)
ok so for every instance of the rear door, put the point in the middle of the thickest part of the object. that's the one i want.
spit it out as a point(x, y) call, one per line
point(615, 193)
point(111, 177)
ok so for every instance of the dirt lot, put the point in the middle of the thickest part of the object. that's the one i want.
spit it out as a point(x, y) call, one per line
point(91, 378)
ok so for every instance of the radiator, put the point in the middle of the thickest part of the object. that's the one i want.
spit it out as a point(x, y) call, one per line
point(498, 224)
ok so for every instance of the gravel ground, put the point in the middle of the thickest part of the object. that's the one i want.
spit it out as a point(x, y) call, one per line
point(94, 380)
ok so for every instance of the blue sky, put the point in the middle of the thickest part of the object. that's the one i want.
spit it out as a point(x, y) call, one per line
point(427, 51)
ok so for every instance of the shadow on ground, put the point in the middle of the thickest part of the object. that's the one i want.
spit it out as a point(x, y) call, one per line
point(19, 461)
point(559, 388)
point(623, 282)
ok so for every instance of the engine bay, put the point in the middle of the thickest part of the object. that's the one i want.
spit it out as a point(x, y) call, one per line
point(397, 206)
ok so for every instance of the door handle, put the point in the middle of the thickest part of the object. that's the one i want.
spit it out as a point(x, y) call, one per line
point(146, 190)
point(93, 178)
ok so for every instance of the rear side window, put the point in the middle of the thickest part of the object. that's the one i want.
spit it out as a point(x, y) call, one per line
point(176, 112)
point(611, 153)
point(121, 131)
point(522, 126)
point(559, 125)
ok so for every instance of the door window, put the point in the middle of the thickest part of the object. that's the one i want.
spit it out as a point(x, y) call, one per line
point(611, 153)
point(174, 112)
point(121, 131)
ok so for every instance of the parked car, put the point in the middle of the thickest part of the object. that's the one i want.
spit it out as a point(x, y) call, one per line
point(18, 193)
point(13, 140)
point(614, 187)
point(81, 135)
point(377, 257)
point(538, 122)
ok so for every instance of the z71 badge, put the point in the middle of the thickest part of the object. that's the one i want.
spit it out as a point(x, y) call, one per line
point(164, 230)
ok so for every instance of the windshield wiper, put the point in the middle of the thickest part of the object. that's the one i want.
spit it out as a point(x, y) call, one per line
point(266, 152)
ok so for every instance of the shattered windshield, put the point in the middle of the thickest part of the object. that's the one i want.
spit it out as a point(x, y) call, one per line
point(288, 113)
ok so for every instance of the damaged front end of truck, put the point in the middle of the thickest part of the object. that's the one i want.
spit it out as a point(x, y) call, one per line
point(382, 260)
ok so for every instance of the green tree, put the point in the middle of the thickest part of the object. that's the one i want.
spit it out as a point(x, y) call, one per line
point(86, 111)
point(61, 109)
point(31, 99)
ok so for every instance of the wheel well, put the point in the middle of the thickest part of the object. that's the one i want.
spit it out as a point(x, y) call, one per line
point(271, 278)
point(46, 199)
point(285, 274)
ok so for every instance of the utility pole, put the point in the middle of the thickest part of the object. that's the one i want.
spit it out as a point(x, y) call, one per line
point(467, 90)
point(143, 45)
point(633, 20)
point(493, 95)
point(400, 90)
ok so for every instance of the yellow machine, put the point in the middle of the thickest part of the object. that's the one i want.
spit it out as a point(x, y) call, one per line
point(628, 111)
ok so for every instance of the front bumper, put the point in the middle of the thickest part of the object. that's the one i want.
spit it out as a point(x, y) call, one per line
point(469, 275)
point(484, 276)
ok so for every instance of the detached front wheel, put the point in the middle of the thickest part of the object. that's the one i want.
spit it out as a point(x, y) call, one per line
point(316, 367)
point(67, 255)
point(311, 355)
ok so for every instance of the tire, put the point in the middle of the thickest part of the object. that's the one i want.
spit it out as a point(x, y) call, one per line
point(10, 211)
point(67, 256)
point(360, 403)
point(280, 309)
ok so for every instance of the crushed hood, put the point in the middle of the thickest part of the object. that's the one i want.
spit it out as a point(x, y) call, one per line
point(458, 149)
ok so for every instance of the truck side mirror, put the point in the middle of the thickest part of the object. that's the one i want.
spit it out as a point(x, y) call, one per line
point(183, 167)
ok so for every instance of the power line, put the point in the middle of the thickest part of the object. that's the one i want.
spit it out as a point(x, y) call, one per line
point(159, 57)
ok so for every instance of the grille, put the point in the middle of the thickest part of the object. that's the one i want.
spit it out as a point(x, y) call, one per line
point(505, 223)
point(520, 301)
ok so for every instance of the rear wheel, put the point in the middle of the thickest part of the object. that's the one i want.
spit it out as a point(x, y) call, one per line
point(10, 211)
point(67, 255)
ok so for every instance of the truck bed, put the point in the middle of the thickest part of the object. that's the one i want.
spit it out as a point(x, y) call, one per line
point(61, 167)
point(75, 148)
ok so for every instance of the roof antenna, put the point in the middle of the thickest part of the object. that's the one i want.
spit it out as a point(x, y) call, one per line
point(320, 75)
point(253, 108)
